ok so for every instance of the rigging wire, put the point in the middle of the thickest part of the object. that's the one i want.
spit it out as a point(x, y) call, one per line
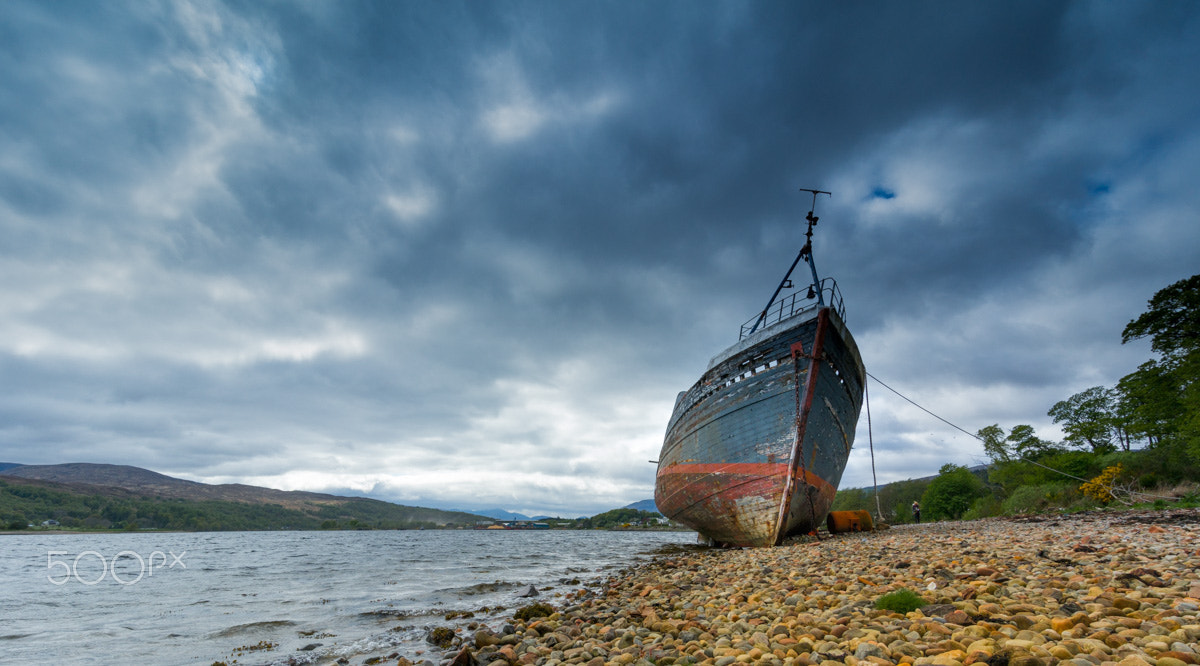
point(871, 442)
point(922, 408)
point(913, 403)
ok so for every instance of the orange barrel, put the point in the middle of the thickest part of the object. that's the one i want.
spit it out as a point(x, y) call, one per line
point(849, 521)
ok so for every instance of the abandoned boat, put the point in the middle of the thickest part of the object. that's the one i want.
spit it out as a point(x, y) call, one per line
point(754, 451)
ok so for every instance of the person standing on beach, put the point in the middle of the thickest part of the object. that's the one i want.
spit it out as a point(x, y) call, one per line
point(916, 511)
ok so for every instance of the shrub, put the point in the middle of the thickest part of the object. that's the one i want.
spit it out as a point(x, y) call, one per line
point(902, 600)
point(1101, 487)
point(1032, 499)
point(983, 507)
point(951, 493)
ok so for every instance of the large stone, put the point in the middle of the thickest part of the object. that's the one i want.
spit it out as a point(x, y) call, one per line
point(868, 649)
point(464, 658)
point(958, 617)
point(1061, 624)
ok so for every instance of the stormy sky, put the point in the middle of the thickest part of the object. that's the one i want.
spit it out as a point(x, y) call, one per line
point(464, 254)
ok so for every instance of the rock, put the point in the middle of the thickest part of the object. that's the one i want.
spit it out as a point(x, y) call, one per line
point(958, 617)
point(310, 647)
point(1061, 624)
point(442, 637)
point(937, 610)
point(464, 658)
point(866, 650)
point(529, 591)
point(485, 639)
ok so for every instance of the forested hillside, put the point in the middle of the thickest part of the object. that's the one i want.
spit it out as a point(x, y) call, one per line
point(80, 506)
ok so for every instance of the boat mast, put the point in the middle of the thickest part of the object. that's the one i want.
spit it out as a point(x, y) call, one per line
point(805, 253)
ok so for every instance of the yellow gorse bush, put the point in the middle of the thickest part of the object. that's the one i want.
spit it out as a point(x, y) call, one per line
point(1101, 487)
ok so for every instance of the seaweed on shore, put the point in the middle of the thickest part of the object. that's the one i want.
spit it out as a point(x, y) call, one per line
point(533, 610)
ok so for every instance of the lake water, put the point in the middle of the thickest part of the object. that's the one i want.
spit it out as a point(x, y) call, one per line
point(196, 598)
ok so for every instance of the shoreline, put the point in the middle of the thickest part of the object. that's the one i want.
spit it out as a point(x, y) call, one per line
point(1087, 589)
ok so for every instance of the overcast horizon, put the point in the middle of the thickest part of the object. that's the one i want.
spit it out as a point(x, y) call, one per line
point(465, 255)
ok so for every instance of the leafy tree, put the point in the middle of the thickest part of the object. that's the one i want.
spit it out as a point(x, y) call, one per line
point(898, 497)
point(1149, 402)
point(1090, 420)
point(1022, 443)
point(1172, 321)
point(994, 443)
point(951, 493)
point(1027, 445)
point(1162, 398)
point(618, 517)
point(852, 499)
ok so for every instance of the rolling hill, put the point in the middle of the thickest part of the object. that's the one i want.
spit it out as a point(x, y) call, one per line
point(103, 496)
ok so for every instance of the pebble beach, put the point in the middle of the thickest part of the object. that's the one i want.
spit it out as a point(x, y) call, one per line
point(1087, 589)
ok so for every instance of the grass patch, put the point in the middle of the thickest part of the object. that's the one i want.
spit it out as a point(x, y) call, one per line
point(902, 600)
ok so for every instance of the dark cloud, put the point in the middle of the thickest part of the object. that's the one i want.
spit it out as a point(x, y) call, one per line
point(467, 253)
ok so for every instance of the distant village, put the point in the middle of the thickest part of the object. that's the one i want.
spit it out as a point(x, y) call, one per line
point(640, 520)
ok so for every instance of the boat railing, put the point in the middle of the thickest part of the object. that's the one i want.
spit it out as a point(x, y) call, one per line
point(795, 304)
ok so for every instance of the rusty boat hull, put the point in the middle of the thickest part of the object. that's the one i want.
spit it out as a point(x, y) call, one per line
point(754, 451)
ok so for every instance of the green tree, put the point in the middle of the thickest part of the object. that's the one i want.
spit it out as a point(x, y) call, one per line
point(1021, 443)
point(994, 443)
point(853, 499)
point(1172, 321)
point(1162, 398)
point(1028, 445)
point(1149, 401)
point(1090, 420)
point(951, 493)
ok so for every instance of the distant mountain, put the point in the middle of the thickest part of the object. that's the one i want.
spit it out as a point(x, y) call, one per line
point(4, 466)
point(122, 483)
point(644, 505)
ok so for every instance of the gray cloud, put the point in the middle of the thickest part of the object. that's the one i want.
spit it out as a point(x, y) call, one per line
point(467, 254)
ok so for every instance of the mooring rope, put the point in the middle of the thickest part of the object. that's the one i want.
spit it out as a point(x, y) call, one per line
point(871, 442)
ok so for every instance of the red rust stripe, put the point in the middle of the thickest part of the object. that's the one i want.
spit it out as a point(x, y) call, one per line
point(747, 469)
